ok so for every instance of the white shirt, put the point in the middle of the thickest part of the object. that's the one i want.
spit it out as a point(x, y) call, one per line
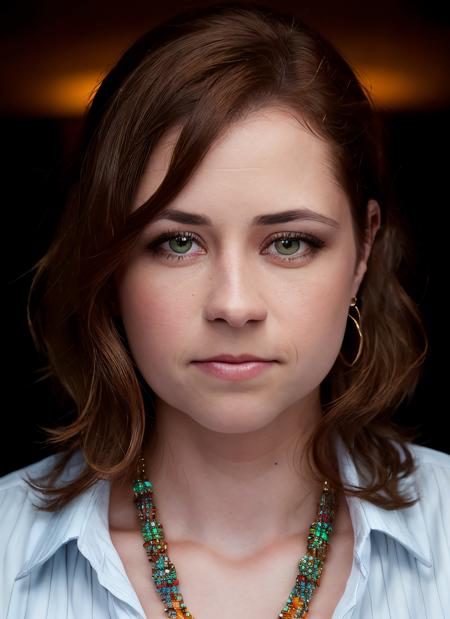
point(63, 565)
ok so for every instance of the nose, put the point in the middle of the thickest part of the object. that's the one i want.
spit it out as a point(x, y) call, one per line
point(234, 293)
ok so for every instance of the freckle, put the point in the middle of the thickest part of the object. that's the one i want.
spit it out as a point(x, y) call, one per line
point(275, 462)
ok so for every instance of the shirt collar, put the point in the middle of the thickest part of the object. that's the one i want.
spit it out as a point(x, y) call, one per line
point(51, 530)
point(403, 525)
point(86, 519)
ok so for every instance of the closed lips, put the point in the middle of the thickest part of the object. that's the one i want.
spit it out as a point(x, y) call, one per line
point(225, 358)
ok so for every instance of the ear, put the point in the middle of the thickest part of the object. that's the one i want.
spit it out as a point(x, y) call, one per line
point(373, 223)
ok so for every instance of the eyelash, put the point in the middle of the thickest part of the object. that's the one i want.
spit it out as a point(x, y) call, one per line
point(314, 243)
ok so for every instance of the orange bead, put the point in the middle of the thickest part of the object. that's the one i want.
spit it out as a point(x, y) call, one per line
point(298, 602)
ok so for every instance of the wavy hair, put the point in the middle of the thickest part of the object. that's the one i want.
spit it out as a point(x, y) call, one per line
point(203, 70)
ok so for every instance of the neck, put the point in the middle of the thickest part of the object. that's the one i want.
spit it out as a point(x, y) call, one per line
point(233, 493)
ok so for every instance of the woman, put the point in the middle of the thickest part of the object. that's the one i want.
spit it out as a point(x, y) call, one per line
point(221, 305)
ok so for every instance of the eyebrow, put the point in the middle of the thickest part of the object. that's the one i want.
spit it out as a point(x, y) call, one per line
point(260, 220)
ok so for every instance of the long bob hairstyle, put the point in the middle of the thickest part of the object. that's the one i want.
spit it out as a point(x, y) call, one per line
point(203, 70)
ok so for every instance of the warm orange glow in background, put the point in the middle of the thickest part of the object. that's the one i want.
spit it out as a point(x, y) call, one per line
point(395, 89)
point(51, 70)
point(69, 95)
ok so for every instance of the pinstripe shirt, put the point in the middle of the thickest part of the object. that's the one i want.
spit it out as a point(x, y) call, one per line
point(64, 565)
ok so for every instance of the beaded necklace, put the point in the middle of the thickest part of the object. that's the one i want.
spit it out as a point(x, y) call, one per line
point(164, 573)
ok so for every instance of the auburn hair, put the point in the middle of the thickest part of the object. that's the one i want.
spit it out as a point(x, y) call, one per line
point(203, 70)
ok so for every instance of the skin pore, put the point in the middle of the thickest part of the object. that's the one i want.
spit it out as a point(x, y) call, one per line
point(226, 469)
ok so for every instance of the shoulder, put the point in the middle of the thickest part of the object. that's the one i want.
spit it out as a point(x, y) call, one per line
point(432, 466)
point(428, 456)
point(47, 558)
point(432, 476)
point(16, 478)
point(405, 551)
point(16, 494)
point(14, 485)
point(24, 526)
point(18, 498)
point(427, 518)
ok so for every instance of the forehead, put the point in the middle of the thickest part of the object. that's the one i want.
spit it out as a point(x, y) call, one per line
point(254, 159)
point(274, 128)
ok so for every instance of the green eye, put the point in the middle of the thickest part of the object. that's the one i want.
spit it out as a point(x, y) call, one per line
point(184, 240)
point(285, 245)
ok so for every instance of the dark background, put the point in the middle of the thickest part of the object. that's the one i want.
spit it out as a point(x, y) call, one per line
point(52, 55)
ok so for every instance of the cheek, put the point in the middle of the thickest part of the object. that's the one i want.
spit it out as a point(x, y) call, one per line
point(318, 317)
point(328, 328)
point(155, 315)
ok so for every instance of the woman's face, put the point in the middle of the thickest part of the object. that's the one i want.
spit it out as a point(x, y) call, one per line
point(235, 288)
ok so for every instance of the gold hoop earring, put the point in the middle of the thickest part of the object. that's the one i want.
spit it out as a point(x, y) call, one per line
point(357, 322)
